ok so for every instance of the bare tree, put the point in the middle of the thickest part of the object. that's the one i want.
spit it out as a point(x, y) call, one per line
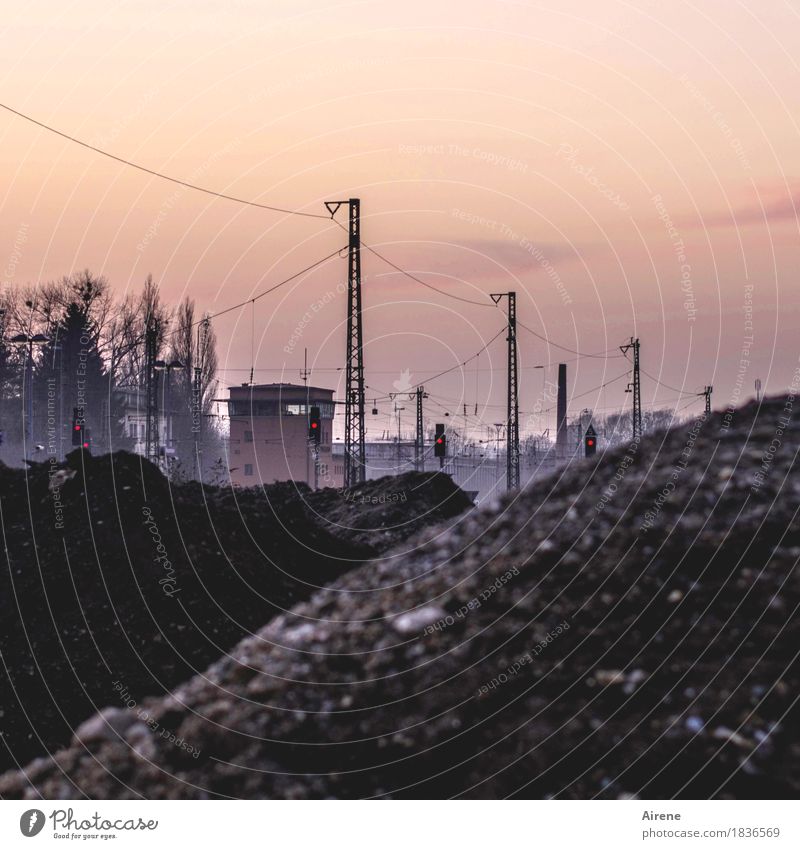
point(193, 343)
point(126, 333)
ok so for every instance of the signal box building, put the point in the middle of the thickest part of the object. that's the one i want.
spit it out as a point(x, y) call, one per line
point(269, 435)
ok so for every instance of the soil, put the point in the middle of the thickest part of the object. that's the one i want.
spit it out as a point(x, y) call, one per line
point(89, 598)
point(626, 628)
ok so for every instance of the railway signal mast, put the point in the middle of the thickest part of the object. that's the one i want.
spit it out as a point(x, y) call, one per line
point(354, 428)
point(512, 410)
point(151, 390)
point(419, 446)
point(635, 387)
point(707, 392)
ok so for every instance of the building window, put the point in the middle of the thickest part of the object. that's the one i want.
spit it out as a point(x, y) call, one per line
point(249, 409)
point(248, 470)
point(248, 436)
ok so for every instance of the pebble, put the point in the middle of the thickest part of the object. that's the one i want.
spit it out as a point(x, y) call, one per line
point(609, 676)
point(723, 733)
point(107, 725)
point(416, 620)
point(694, 724)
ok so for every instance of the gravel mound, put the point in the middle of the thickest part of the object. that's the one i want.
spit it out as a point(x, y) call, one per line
point(114, 574)
point(626, 628)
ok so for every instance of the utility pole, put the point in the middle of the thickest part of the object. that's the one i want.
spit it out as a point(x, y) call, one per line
point(151, 390)
point(197, 403)
point(30, 341)
point(354, 428)
point(398, 410)
point(707, 392)
point(419, 459)
point(197, 392)
point(512, 420)
point(635, 387)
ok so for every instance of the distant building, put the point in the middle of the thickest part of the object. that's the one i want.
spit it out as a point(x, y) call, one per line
point(269, 435)
point(134, 417)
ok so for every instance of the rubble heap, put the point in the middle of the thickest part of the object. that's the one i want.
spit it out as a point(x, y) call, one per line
point(115, 574)
point(625, 628)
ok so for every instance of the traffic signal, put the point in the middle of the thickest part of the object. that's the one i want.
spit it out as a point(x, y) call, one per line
point(440, 442)
point(87, 438)
point(314, 426)
point(77, 429)
point(590, 442)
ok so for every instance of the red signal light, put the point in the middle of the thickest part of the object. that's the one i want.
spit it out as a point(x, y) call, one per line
point(440, 442)
point(314, 426)
point(590, 442)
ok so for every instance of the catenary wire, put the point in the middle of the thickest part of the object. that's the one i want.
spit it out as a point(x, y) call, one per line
point(155, 173)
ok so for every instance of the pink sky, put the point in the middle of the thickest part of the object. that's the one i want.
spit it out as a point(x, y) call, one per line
point(495, 145)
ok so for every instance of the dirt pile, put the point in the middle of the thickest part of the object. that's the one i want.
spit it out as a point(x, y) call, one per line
point(115, 575)
point(383, 513)
point(627, 628)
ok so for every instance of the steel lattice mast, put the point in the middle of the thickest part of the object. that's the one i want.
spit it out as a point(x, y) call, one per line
point(419, 460)
point(512, 410)
point(635, 387)
point(151, 390)
point(354, 428)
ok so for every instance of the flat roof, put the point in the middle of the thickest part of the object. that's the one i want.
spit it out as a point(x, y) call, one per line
point(278, 388)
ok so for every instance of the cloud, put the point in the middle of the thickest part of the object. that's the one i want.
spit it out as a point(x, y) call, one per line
point(523, 253)
point(471, 258)
point(767, 204)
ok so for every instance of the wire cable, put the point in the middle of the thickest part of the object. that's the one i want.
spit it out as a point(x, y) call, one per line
point(413, 277)
point(272, 288)
point(416, 279)
point(446, 371)
point(661, 382)
point(158, 174)
point(602, 355)
point(588, 391)
point(238, 306)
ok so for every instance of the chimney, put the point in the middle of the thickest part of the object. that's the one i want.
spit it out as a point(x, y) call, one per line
point(561, 411)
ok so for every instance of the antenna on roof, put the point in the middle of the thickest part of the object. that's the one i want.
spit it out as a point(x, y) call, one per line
point(252, 338)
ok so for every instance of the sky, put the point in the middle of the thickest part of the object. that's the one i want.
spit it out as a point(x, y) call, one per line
point(628, 169)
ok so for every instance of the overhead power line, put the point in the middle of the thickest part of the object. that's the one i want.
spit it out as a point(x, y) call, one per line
point(602, 355)
point(587, 392)
point(419, 280)
point(446, 371)
point(665, 385)
point(158, 174)
point(252, 300)
point(255, 204)
point(276, 286)
point(400, 270)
